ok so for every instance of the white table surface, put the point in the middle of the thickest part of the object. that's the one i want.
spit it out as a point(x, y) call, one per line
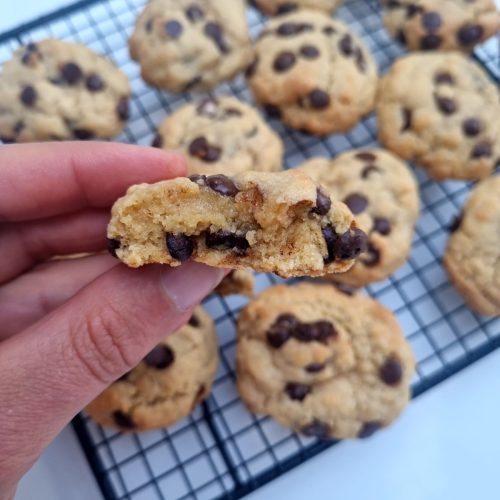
point(445, 446)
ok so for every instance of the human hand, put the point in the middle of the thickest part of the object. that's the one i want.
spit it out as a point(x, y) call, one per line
point(69, 328)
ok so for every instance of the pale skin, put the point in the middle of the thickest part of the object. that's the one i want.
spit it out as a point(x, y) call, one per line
point(69, 328)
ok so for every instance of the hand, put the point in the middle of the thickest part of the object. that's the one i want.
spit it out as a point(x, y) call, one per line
point(69, 328)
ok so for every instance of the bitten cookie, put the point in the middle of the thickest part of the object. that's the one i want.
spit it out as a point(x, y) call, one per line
point(277, 7)
point(53, 90)
point(382, 194)
point(313, 73)
point(221, 135)
point(271, 222)
point(473, 254)
point(168, 383)
point(441, 110)
point(441, 24)
point(185, 45)
point(237, 282)
point(324, 363)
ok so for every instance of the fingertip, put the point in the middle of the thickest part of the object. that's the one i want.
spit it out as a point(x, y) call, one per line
point(172, 161)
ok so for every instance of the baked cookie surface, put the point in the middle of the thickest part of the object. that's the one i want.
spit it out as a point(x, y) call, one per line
point(277, 7)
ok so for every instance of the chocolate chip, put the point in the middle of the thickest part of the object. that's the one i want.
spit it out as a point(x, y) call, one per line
point(71, 73)
point(113, 245)
point(160, 357)
point(94, 82)
point(360, 60)
point(173, 29)
point(225, 240)
point(356, 202)
point(122, 108)
point(297, 392)
point(470, 34)
point(83, 134)
point(331, 238)
point(288, 29)
point(471, 127)
point(157, 141)
point(481, 150)
point(456, 222)
point(208, 107)
point(317, 429)
point(319, 331)
point(287, 7)
point(314, 367)
point(28, 96)
point(252, 68)
point(123, 420)
point(18, 127)
point(444, 78)
point(319, 99)
point(407, 117)
point(431, 21)
point(445, 104)
point(382, 225)
point(272, 111)
point(192, 83)
point(222, 185)
point(194, 13)
point(323, 203)
point(329, 30)
point(369, 170)
point(430, 42)
point(372, 255)
point(391, 372)
point(350, 244)
point(346, 45)
point(412, 10)
point(369, 428)
point(194, 321)
point(366, 156)
point(401, 37)
point(57, 81)
point(280, 330)
point(214, 31)
point(197, 177)
point(309, 51)
point(201, 148)
point(32, 47)
point(180, 246)
point(284, 61)
point(149, 25)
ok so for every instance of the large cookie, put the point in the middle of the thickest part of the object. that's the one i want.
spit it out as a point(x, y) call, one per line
point(313, 73)
point(321, 362)
point(168, 383)
point(277, 7)
point(473, 254)
point(271, 222)
point(185, 45)
point(382, 194)
point(441, 24)
point(441, 110)
point(221, 135)
point(53, 90)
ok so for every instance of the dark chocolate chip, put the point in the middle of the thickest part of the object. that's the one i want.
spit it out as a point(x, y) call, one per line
point(350, 244)
point(297, 392)
point(431, 21)
point(319, 331)
point(481, 150)
point(329, 30)
point(160, 357)
point(149, 25)
point(323, 203)
point(180, 246)
point(222, 185)
point(113, 245)
point(314, 367)
point(214, 32)
point(173, 29)
point(201, 148)
point(391, 372)
point(197, 177)
point(284, 61)
point(272, 111)
point(369, 170)
point(470, 34)
point(445, 104)
point(471, 127)
point(412, 10)
point(71, 73)
point(57, 81)
point(401, 37)
point(83, 134)
point(444, 78)
point(123, 420)
point(32, 47)
point(372, 255)
point(194, 13)
point(252, 68)
point(194, 321)
point(280, 330)
point(407, 117)
point(157, 141)
point(94, 82)
point(208, 107)
point(232, 112)
point(319, 99)
point(309, 51)
point(122, 108)
point(225, 240)
point(430, 42)
point(382, 225)
point(366, 156)
point(369, 428)
point(287, 7)
point(288, 29)
point(356, 202)
point(456, 222)
point(28, 96)
point(331, 238)
point(317, 429)
point(345, 45)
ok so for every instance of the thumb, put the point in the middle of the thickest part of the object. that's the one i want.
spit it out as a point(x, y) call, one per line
point(53, 369)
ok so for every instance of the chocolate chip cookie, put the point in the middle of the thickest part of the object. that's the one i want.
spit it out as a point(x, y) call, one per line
point(53, 90)
point(277, 7)
point(441, 110)
point(191, 45)
point(473, 254)
point(167, 384)
point(237, 282)
point(313, 73)
point(441, 24)
point(221, 135)
point(324, 363)
point(271, 222)
point(382, 194)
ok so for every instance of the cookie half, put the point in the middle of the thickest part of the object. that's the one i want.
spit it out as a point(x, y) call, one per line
point(277, 7)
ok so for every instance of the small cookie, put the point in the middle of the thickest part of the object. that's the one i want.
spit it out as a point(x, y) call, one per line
point(313, 73)
point(221, 135)
point(237, 282)
point(271, 222)
point(473, 254)
point(189, 45)
point(277, 7)
point(382, 194)
point(324, 363)
point(168, 383)
point(441, 110)
point(53, 91)
point(441, 24)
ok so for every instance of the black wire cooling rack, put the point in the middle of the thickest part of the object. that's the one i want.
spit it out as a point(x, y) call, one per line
point(221, 451)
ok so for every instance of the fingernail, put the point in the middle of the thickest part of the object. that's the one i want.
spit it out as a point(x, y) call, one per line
point(189, 284)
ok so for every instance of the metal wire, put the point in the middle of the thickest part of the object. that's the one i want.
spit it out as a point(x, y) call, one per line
point(221, 451)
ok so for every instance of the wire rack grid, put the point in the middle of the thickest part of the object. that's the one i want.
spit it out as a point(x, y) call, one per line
point(221, 451)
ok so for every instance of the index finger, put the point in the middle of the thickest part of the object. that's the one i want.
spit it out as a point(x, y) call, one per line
point(43, 180)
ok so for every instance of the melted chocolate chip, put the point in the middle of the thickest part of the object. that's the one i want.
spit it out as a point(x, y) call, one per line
point(345, 45)
point(314, 367)
point(272, 111)
point(356, 202)
point(252, 68)
point(28, 96)
point(317, 429)
point(470, 34)
point(471, 127)
point(71, 73)
point(329, 30)
point(194, 13)
point(83, 134)
point(369, 428)
point(160, 357)
point(208, 107)
point(366, 156)
point(288, 29)
point(123, 420)
point(214, 32)
point(401, 37)
point(444, 78)
point(456, 222)
point(297, 392)
point(194, 321)
point(284, 61)
point(113, 245)
point(430, 42)
point(350, 244)
point(309, 51)
point(280, 330)
point(323, 203)
point(481, 150)
point(445, 104)
point(391, 372)
point(407, 117)
point(201, 148)
point(180, 246)
point(331, 238)
point(225, 240)
point(222, 185)
point(382, 225)
point(319, 99)
point(287, 7)
point(412, 10)
point(157, 141)
point(319, 331)
point(94, 83)
point(122, 108)
point(431, 21)
point(173, 29)
point(372, 255)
